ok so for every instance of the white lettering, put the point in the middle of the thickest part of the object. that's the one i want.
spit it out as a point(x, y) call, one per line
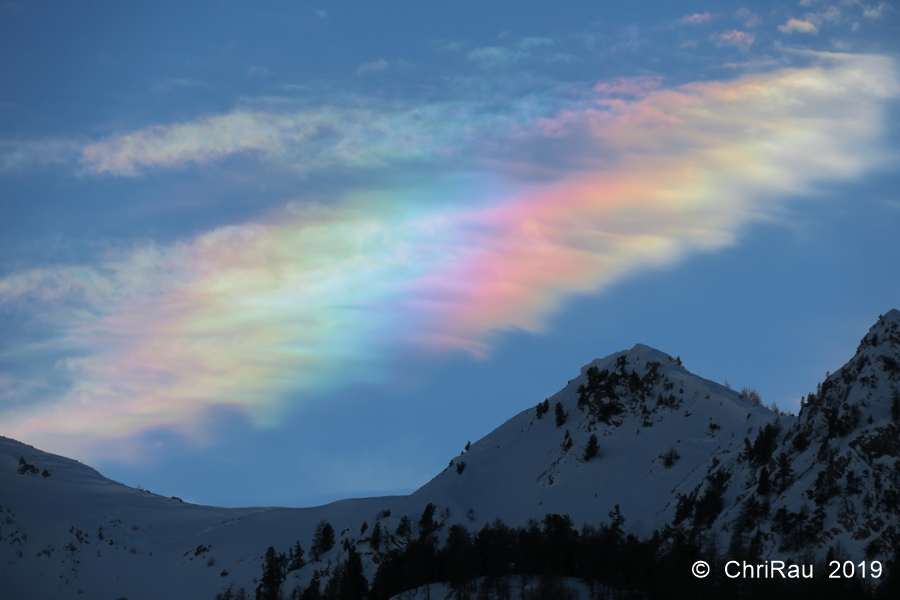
point(729, 575)
point(778, 566)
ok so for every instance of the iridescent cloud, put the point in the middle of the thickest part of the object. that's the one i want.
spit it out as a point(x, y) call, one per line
point(696, 18)
point(255, 315)
point(799, 25)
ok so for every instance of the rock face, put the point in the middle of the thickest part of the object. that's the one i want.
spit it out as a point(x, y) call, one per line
point(634, 430)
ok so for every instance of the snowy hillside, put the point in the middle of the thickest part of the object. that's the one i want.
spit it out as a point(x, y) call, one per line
point(527, 467)
point(75, 532)
point(635, 430)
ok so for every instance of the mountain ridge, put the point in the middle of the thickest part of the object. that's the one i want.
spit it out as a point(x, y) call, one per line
point(675, 452)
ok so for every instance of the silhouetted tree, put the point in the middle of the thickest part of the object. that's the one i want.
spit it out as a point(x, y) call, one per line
point(313, 591)
point(296, 557)
point(375, 538)
point(269, 587)
point(322, 541)
point(457, 557)
point(764, 486)
point(592, 449)
point(348, 581)
point(560, 415)
point(784, 474)
point(404, 529)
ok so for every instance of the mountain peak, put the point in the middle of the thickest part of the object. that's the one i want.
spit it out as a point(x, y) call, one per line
point(885, 331)
point(637, 354)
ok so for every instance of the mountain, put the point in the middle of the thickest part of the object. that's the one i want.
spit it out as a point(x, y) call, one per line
point(672, 452)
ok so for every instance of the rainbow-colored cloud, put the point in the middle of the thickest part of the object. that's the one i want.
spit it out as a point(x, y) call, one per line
point(253, 315)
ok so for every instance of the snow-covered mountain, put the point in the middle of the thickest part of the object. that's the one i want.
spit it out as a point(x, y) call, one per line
point(670, 449)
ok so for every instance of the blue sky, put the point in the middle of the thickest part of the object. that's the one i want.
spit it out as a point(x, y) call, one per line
point(285, 253)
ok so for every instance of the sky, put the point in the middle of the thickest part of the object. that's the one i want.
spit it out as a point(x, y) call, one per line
point(283, 253)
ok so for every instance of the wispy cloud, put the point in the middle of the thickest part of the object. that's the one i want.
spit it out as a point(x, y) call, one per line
point(749, 18)
point(832, 14)
point(740, 39)
point(255, 315)
point(875, 12)
point(496, 56)
point(257, 71)
point(629, 86)
point(798, 25)
point(304, 140)
point(376, 66)
point(18, 156)
point(695, 19)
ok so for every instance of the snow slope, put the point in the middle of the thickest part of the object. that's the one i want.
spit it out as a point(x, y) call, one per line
point(522, 470)
point(76, 532)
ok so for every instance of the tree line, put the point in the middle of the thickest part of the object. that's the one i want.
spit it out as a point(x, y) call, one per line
point(531, 562)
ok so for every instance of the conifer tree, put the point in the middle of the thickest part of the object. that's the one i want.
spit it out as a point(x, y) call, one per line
point(560, 415)
point(404, 529)
point(353, 584)
point(427, 526)
point(297, 561)
point(764, 486)
point(592, 449)
point(273, 574)
point(375, 538)
point(323, 540)
point(313, 592)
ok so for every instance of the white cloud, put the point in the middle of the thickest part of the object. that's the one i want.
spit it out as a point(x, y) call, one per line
point(740, 39)
point(875, 12)
point(798, 25)
point(695, 19)
point(495, 56)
